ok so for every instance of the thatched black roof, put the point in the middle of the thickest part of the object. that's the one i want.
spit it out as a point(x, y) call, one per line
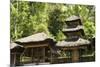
point(38, 39)
point(77, 29)
point(73, 29)
point(73, 19)
point(79, 42)
point(16, 48)
point(14, 45)
point(34, 38)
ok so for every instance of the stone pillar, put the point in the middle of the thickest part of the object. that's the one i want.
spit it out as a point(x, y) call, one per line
point(75, 55)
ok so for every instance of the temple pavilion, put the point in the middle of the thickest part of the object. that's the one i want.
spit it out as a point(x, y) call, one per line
point(38, 49)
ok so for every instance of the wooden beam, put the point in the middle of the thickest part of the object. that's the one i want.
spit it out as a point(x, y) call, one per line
point(33, 46)
point(72, 48)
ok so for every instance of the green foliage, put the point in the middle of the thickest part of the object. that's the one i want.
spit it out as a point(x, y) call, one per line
point(89, 29)
point(54, 24)
point(60, 36)
point(28, 18)
point(87, 14)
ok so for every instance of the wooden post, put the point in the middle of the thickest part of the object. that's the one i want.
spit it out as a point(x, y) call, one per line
point(32, 55)
point(51, 59)
point(14, 58)
point(37, 56)
point(17, 63)
point(51, 56)
point(75, 55)
point(43, 54)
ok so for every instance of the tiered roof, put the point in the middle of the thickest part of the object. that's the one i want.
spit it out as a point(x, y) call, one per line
point(73, 29)
point(70, 32)
point(73, 19)
point(79, 42)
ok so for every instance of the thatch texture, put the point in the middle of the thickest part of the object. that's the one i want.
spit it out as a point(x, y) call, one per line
point(72, 18)
point(79, 27)
point(34, 38)
point(79, 42)
point(13, 45)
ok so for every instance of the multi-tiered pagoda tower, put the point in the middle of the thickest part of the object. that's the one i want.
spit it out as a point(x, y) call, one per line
point(73, 30)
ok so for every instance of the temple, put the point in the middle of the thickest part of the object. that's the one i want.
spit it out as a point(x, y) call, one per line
point(39, 48)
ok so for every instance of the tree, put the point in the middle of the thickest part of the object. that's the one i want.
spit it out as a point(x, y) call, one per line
point(28, 18)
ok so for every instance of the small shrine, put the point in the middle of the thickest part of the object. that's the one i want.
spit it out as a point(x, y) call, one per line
point(74, 42)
